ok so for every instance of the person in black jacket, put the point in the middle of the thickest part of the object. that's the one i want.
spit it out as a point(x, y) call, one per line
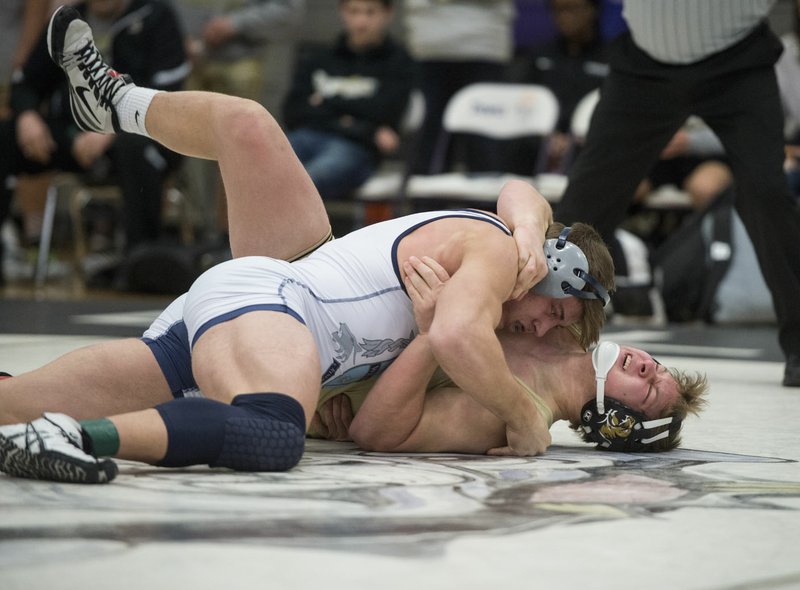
point(346, 102)
point(142, 38)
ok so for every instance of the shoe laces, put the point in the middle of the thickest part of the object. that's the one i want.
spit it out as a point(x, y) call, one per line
point(103, 80)
point(32, 434)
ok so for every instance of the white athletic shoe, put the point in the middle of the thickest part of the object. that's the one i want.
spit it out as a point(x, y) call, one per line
point(51, 448)
point(94, 88)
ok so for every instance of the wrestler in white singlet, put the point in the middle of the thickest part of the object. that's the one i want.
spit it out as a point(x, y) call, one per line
point(348, 292)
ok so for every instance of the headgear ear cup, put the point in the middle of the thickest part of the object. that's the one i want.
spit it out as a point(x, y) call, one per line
point(568, 272)
point(603, 358)
point(621, 428)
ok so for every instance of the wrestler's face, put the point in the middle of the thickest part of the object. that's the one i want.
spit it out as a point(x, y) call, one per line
point(637, 380)
point(538, 314)
point(365, 22)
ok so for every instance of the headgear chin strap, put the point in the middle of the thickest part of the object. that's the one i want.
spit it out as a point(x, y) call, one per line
point(613, 425)
point(568, 272)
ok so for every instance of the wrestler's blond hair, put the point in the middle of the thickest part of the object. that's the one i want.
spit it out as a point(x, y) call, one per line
point(601, 267)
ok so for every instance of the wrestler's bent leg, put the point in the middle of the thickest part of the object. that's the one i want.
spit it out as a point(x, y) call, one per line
point(260, 375)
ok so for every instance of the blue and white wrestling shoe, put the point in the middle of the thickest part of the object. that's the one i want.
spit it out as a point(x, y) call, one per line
point(93, 86)
point(51, 448)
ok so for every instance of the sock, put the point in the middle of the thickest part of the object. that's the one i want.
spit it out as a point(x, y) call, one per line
point(100, 437)
point(132, 109)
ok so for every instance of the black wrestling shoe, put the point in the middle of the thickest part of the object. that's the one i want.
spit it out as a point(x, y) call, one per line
point(791, 374)
point(51, 448)
point(94, 87)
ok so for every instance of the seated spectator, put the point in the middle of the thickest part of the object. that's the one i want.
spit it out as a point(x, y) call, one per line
point(572, 65)
point(21, 23)
point(788, 74)
point(229, 45)
point(227, 41)
point(457, 43)
point(144, 39)
point(346, 102)
point(694, 161)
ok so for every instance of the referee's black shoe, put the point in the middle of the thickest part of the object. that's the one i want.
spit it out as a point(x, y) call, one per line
point(791, 375)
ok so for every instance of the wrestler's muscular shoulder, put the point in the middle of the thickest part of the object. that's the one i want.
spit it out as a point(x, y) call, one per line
point(448, 240)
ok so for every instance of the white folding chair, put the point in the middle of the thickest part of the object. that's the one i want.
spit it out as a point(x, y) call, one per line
point(582, 115)
point(497, 111)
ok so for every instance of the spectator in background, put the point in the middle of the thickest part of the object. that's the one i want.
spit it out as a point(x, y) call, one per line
point(21, 23)
point(457, 43)
point(572, 65)
point(678, 61)
point(143, 38)
point(694, 161)
point(534, 26)
point(346, 102)
point(788, 71)
point(227, 42)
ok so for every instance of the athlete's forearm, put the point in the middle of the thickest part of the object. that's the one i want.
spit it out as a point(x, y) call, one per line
point(462, 334)
point(394, 406)
point(474, 360)
point(528, 215)
point(521, 206)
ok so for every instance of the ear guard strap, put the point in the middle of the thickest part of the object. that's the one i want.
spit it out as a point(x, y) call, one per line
point(568, 272)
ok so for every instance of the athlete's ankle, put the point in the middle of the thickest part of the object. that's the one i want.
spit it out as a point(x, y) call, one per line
point(132, 109)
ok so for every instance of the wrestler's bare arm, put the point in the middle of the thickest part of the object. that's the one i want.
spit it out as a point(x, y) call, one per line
point(401, 415)
point(452, 422)
point(528, 215)
point(394, 406)
point(464, 342)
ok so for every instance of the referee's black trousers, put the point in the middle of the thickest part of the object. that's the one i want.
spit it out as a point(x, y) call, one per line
point(644, 102)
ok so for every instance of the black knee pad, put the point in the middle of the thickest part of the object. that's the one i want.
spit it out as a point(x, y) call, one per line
point(267, 434)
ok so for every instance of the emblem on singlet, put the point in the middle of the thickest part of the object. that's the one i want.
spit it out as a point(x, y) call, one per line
point(345, 344)
point(378, 347)
point(348, 348)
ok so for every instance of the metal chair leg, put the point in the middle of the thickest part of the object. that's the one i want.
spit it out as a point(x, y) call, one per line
point(46, 239)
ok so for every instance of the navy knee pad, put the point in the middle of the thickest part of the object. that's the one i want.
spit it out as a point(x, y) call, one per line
point(257, 432)
point(271, 437)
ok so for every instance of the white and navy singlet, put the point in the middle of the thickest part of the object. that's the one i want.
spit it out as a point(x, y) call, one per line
point(349, 293)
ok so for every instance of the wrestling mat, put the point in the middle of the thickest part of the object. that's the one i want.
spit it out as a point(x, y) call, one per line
point(723, 512)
